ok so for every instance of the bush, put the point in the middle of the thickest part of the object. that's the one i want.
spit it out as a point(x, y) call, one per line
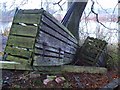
point(113, 57)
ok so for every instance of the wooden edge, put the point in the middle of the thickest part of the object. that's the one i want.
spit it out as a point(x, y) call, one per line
point(112, 85)
point(53, 69)
point(59, 24)
point(13, 65)
point(84, 69)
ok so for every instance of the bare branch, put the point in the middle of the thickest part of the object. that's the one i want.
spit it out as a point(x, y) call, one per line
point(23, 2)
point(58, 3)
point(88, 15)
point(60, 8)
point(115, 7)
point(102, 7)
point(92, 10)
point(12, 3)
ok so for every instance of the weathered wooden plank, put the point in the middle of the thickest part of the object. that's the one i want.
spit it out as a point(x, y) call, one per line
point(58, 23)
point(49, 40)
point(52, 69)
point(48, 53)
point(57, 29)
point(49, 49)
point(66, 56)
point(54, 49)
point(18, 59)
point(47, 61)
point(43, 60)
point(67, 60)
point(18, 41)
point(53, 33)
point(14, 66)
point(54, 42)
point(69, 55)
point(85, 69)
point(24, 30)
point(18, 52)
point(27, 18)
point(58, 35)
point(31, 11)
point(88, 59)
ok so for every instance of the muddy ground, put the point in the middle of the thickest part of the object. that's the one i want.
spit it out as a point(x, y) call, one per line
point(20, 79)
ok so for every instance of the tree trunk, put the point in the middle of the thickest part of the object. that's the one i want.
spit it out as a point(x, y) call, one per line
point(73, 16)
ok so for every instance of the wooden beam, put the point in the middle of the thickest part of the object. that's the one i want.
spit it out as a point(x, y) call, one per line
point(27, 18)
point(53, 69)
point(13, 66)
point(85, 69)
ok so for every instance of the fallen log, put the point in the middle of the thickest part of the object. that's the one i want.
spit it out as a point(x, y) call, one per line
point(53, 69)
point(85, 69)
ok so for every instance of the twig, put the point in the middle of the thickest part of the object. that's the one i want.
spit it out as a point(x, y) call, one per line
point(59, 4)
point(102, 7)
point(92, 10)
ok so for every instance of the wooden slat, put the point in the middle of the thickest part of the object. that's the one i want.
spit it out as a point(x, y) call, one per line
point(18, 59)
point(46, 61)
point(14, 66)
point(27, 18)
point(55, 42)
point(58, 23)
point(18, 52)
point(31, 11)
point(49, 49)
point(21, 41)
point(58, 29)
point(56, 34)
point(83, 69)
point(55, 49)
point(53, 69)
point(49, 61)
point(24, 30)
point(67, 60)
point(48, 53)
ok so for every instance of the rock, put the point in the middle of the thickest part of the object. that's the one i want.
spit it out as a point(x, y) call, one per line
point(46, 81)
point(51, 77)
point(60, 79)
point(6, 83)
point(32, 75)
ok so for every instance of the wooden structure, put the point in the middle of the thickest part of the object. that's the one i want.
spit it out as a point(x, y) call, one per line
point(90, 51)
point(37, 39)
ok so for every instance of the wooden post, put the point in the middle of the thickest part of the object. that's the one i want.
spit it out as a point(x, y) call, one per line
point(119, 35)
point(119, 44)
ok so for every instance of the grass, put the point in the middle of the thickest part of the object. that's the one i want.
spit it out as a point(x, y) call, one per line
point(1, 53)
point(114, 58)
point(6, 32)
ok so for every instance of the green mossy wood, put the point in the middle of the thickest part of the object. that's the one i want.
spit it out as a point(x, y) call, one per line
point(91, 50)
point(37, 39)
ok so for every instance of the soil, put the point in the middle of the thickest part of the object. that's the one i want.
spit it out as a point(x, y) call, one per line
point(20, 79)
